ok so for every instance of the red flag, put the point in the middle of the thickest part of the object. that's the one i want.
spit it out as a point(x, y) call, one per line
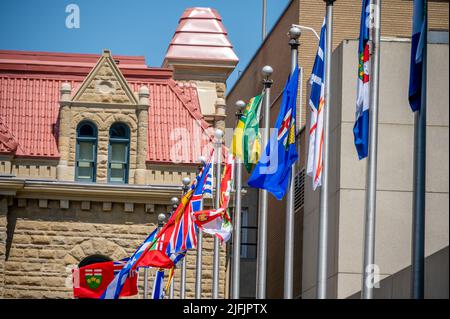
point(91, 281)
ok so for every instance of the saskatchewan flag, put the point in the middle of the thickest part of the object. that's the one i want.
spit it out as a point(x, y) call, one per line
point(246, 142)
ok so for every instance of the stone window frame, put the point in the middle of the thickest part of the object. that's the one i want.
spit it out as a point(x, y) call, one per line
point(93, 139)
point(123, 140)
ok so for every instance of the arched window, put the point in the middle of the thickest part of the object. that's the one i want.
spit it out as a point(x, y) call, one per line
point(119, 149)
point(86, 152)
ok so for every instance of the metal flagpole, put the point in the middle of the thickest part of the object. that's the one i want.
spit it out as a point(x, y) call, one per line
point(261, 258)
point(145, 283)
point(420, 122)
point(218, 151)
point(174, 201)
point(371, 182)
point(186, 181)
point(323, 214)
point(235, 271)
point(264, 15)
point(294, 34)
point(198, 260)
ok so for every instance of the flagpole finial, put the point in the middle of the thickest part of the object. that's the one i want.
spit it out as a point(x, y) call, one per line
point(174, 201)
point(162, 217)
point(240, 105)
point(295, 32)
point(218, 134)
point(202, 160)
point(267, 71)
point(185, 181)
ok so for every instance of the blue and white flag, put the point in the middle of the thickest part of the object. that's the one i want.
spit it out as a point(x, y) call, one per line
point(115, 286)
point(273, 170)
point(417, 45)
point(316, 104)
point(361, 127)
point(158, 291)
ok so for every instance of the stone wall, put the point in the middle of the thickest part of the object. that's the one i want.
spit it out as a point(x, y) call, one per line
point(3, 230)
point(45, 244)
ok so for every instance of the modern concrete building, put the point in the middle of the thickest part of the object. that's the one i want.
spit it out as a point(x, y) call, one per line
point(347, 179)
point(275, 51)
point(93, 147)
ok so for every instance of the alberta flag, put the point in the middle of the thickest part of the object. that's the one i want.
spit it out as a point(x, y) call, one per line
point(273, 170)
point(417, 45)
point(361, 127)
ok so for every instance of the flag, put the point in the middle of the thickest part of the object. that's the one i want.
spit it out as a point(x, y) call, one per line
point(90, 281)
point(179, 233)
point(417, 45)
point(207, 189)
point(159, 254)
point(273, 170)
point(115, 287)
point(246, 142)
point(316, 104)
point(158, 291)
point(361, 127)
point(217, 222)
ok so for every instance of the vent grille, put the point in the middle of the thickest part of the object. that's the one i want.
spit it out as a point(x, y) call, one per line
point(299, 190)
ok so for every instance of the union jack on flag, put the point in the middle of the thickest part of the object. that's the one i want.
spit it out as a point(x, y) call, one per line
point(184, 235)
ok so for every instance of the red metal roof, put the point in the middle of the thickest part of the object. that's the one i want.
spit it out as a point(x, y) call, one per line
point(200, 35)
point(29, 103)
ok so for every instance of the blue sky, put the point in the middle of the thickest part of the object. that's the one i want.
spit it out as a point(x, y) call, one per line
point(132, 27)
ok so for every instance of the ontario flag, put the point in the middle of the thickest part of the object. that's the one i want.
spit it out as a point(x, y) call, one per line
point(217, 222)
point(317, 103)
point(90, 281)
point(361, 127)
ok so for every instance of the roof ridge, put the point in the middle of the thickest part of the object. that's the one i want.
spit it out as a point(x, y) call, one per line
point(190, 107)
point(7, 138)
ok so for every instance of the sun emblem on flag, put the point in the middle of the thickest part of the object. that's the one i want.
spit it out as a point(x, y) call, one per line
point(93, 278)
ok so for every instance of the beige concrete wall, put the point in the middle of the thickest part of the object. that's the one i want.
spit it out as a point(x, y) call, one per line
point(394, 176)
point(45, 243)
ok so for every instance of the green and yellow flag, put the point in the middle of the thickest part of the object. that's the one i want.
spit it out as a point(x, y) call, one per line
point(246, 142)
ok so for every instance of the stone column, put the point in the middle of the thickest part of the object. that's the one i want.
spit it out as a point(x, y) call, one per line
point(62, 170)
point(142, 143)
point(220, 106)
point(3, 236)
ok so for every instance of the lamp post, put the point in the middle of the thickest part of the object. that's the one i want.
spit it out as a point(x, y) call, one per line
point(186, 181)
point(235, 271)
point(261, 262)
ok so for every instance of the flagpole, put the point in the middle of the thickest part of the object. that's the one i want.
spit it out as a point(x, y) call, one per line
point(174, 201)
point(198, 261)
point(145, 283)
point(369, 237)
point(261, 258)
point(218, 150)
point(420, 122)
point(294, 34)
point(186, 181)
point(323, 214)
point(235, 271)
point(264, 14)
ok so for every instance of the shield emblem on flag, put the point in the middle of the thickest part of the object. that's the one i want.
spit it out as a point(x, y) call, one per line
point(93, 278)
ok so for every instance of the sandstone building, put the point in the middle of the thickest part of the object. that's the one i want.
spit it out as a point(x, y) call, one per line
point(93, 147)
